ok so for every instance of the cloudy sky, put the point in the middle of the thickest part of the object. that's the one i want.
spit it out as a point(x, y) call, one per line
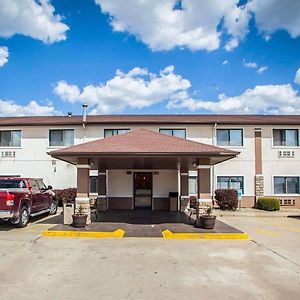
point(143, 56)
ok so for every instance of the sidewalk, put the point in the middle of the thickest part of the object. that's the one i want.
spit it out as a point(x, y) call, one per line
point(252, 212)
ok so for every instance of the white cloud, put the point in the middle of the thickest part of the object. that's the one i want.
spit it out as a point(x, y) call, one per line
point(34, 18)
point(225, 62)
point(262, 69)
point(162, 27)
point(136, 89)
point(3, 55)
point(297, 77)
point(9, 108)
point(273, 15)
point(262, 99)
point(252, 65)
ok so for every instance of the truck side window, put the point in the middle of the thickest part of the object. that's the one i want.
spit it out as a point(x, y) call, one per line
point(33, 184)
point(41, 185)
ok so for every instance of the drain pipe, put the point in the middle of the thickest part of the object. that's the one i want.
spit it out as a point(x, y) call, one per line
point(214, 129)
point(84, 112)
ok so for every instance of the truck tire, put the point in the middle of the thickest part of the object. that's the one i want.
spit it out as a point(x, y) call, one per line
point(23, 217)
point(53, 208)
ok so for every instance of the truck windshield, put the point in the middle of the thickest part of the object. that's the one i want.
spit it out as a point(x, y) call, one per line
point(12, 184)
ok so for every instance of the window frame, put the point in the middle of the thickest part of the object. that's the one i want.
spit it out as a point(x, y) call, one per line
point(229, 129)
point(106, 129)
point(60, 129)
point(284, 146)
point(230, 176)
point(285, 176)
point(90, 184)
point(194, 177)
point(172, 129)
point(11, 139)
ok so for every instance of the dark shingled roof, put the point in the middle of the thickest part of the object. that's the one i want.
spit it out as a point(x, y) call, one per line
point(154, 119)
point(142, 141)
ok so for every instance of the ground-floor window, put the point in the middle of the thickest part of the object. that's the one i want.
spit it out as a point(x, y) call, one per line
point(286, 185)
point(231, 182)
point(193, 185)
point(94, 184)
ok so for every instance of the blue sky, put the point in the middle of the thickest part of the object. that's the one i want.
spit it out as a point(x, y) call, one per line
point(171, 58)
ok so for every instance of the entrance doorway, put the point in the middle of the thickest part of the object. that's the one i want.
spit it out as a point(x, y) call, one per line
point(142, 185)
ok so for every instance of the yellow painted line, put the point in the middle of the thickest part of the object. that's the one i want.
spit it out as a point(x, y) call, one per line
point(167, 234)
point(119, 233)
point(268, 232)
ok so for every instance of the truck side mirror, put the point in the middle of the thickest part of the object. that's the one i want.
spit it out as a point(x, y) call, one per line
point(50, 187)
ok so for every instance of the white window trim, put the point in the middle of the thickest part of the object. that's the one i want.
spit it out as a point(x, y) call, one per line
point(231, 128)
point(235, 175)
point(59, 147)
point(284, 147)
point(283, 195)
point(13, 147)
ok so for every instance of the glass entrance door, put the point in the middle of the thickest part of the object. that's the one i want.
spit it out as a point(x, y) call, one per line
point(142, 190)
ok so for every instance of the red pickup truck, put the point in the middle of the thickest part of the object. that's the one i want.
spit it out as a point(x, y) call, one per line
point(21, 198)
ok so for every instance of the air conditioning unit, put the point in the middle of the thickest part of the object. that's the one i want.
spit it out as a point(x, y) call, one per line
point(8, 153)
point(286, 153)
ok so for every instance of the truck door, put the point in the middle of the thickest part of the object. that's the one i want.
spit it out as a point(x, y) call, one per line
point(45, 195)
point(36, 195)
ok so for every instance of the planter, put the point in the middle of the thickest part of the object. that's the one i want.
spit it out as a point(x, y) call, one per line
point(79, 220)
point(206, 222)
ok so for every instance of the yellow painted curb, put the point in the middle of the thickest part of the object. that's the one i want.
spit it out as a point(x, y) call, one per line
point(167, 234)
point(119, 233)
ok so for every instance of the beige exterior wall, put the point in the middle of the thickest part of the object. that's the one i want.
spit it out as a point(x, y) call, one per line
point(31, 158)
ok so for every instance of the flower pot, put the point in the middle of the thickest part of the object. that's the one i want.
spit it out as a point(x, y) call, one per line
point(207, 222)
point(79, 220)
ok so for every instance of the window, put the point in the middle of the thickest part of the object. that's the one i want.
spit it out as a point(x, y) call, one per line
point(231, 182)
point(230, 137)
point(61, 137)
point(112, 132)
point(285, 137)
point(41, 185)
point(33, 184)
point(10, 138)
point(174, 132)
point(193, 185)
point(286, 185)
point(12, 184)
point(94, 184)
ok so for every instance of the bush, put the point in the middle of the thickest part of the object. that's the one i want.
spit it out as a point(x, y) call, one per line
point(227, 199)
point(269, 204)
point(65, 196)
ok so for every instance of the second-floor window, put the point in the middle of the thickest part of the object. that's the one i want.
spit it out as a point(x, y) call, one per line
point(285, 137)
point(174, 132)
point(231, 182)
point(230, 137)
point(286, 185)
point(112, 132)
point(10, 138)
point(61, 137)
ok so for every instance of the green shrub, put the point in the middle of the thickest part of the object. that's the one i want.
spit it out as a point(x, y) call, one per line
point(269, 204)
point(65, 196)
point(227, 199)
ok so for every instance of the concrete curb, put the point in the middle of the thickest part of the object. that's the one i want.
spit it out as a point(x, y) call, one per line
point(119, 233)
point(167, 234)
point(257, 213)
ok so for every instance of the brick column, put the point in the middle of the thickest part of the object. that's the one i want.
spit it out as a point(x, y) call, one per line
point(203, 173)
point(82, 199)
point(259, 178)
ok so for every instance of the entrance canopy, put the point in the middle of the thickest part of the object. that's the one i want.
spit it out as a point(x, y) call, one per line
point(144, 149)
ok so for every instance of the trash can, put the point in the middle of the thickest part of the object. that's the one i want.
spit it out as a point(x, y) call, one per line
point(68, 212)
point(173, 201)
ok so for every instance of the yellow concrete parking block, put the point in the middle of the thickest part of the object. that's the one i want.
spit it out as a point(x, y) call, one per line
point(119, 233)
point(167, 234)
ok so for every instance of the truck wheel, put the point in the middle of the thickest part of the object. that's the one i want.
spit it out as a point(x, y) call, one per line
point(23, 217)
point(53, 208)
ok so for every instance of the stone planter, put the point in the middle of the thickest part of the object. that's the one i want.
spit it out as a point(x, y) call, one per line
point(79, 220)
point(206, 222)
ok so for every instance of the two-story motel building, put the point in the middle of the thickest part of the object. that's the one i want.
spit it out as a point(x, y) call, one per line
point(136, 160)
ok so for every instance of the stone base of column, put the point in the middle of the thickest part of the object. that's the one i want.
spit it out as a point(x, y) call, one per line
point(259, 185)
point(84, 202)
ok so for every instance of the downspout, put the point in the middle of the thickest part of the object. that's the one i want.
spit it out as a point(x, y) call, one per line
point(84, 112)
point(214, 130)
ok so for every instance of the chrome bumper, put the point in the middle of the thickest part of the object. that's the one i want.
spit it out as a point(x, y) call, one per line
point(5, 214)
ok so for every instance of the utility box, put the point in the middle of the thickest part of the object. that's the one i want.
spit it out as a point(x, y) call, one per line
point(68, 212)
point(173, 201)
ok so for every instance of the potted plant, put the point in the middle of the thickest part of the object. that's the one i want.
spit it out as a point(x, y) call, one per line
point(79, 219)
point(207, 220)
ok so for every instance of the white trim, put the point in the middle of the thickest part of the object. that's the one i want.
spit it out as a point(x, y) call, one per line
point(83, 166)
point(203, 167)
point(184, 174)
point(284, 147)
point(82, 199)
point(282, 195)
point(102, 174)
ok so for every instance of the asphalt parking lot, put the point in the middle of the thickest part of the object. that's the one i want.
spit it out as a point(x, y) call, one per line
point(267, 266)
